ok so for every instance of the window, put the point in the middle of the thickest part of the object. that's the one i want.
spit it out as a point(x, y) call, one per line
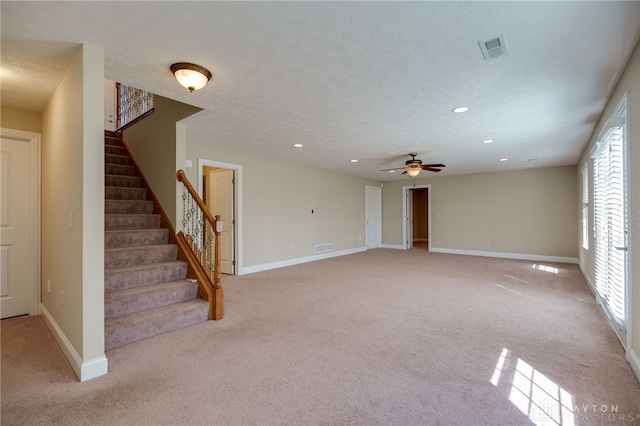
point(585, 207)
point(610, 218)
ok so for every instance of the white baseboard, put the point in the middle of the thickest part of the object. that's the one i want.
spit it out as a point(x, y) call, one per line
point(297, 261)
point(393, 246)
point(85, 370)
point(517, 256)
point(634, 362)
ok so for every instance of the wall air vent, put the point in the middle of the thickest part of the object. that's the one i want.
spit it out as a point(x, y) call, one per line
point(323, 248)
point(494, 47)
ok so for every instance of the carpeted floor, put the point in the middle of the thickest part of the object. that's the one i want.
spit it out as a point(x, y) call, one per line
point(384, 337)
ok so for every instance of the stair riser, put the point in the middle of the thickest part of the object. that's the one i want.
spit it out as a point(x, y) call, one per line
point(153, 274)
point(136, 256)
point(133, 221)
point(122, 181)
point(112, 141)
point(159, 295)
point(117, 159)
point(119, 331)
point(113, 149)
point(128, 207)
point(134, 238)
point(118, 169)
point(115, 193)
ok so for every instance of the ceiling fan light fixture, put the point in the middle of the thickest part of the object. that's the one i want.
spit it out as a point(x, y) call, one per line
point(413, 171)
point(191, 76)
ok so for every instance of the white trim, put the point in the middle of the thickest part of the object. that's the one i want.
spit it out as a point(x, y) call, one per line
point(237, 168)
point(518, 256)
point(34, 213)
point(393, 246)
point(300, 260)
point(634, 362)
point(84, 370)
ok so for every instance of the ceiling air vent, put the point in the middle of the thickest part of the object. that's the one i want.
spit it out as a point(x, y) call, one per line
point(493, 48)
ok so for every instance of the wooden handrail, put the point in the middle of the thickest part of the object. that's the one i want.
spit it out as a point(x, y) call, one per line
point(209, 276)
point(182, 177)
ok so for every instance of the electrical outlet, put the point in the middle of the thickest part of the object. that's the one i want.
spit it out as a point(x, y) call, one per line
point(71, 220)
point(48, 286)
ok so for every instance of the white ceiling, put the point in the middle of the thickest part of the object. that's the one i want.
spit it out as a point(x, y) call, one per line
point(371, 81)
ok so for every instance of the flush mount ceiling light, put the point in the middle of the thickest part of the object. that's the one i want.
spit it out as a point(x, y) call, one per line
point(191, 76)
point(297, 145)
point(488, 141)
point(354, 161)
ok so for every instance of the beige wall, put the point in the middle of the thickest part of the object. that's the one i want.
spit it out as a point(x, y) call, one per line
point(629, 83)
point(73, 184)
point(277, 200)
point(530, 212)
point(153, 144)
point(21, 120)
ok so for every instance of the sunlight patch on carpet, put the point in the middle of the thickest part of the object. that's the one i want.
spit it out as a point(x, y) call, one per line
point(533, 393)
point(545, 268)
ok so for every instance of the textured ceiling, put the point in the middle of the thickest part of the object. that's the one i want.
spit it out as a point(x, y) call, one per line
point(371, 81)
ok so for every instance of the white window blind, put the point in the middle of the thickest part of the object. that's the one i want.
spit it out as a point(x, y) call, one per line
point(609, 221)
point(585, 206)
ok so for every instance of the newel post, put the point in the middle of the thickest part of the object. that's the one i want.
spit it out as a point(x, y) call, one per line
point(218, 291)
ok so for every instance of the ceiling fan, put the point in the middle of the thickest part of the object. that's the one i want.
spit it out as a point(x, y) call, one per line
point(413, 167)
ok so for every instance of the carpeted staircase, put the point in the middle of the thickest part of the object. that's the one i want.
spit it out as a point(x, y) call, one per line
point(146, 290)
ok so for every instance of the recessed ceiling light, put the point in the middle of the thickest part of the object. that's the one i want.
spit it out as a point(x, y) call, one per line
point(392, 171)
point(488, 141)
point(297, 145)
point(354, 161)
point(461, 109)
point(503, 159)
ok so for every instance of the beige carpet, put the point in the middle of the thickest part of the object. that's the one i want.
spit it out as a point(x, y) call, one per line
point(384, 337)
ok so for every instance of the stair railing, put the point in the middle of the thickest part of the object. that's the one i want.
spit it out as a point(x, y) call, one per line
point(132, 105)
point(199, 237)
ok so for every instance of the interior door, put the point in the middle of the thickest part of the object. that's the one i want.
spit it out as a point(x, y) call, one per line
point(14, 230)
point(409, 219)
point(373, 201)
point(219, 200)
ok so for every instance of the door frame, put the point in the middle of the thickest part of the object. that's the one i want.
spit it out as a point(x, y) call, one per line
point(34, 213)
point(407, 214)
point(237, 195)
point(378, 213)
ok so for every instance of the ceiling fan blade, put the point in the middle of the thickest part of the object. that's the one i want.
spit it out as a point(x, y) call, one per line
point(397, 168)
point(431, 169)
point(433, 165)
point(404, 173)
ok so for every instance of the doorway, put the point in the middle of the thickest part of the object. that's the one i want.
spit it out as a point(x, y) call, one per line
point(416, 210)
point(219, 187)
point(20, 223)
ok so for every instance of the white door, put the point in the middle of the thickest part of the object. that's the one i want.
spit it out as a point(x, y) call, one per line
point(373, 202)
point(15, 284)
point(409, 219)
point(219, 199)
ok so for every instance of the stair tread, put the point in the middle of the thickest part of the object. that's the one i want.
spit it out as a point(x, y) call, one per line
point(143, 267)
point(147, 247)
point(141, 325)
point(115, 294)
point(154, 313)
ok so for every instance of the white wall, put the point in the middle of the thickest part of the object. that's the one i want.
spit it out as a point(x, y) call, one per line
point(526, 212)
point(629, 83)
point(73, 213)
point(152, 141)
point(278, 199)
